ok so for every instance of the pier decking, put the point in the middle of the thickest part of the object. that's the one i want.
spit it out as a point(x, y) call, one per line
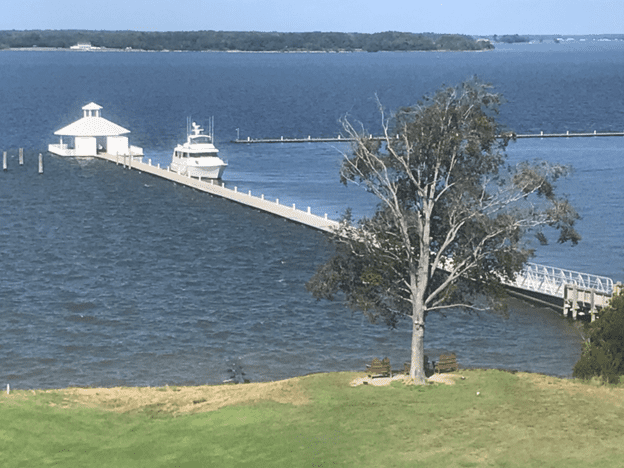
point(210, 186)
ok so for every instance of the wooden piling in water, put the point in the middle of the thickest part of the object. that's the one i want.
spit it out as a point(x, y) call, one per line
point(21, 156)
point(40, 163)
point(570, 301)
point(4, 161)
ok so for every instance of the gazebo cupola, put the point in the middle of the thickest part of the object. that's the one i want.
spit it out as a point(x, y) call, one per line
point(92, 110)
point(92, 134)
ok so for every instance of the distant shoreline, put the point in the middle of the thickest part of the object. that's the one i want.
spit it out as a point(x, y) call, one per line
point(492, 46)
point(232, 51)
point(244, 41)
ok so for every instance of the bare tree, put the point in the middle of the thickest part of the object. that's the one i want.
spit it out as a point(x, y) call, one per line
point(452, 215)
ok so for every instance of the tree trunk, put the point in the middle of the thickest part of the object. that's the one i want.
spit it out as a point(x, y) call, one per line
point(417, 368)
point(419, 277)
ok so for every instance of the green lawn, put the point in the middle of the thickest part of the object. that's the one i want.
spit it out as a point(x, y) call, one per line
point(318, 420)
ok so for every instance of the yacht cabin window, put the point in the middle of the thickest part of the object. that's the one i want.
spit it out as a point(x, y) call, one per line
point(201, 139)
point(181, 154)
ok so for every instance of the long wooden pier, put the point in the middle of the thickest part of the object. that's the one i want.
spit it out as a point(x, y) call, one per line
point(292, 213)
point(340, 138)
point(572, 293)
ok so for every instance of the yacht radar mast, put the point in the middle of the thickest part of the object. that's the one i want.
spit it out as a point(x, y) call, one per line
point(192, 129)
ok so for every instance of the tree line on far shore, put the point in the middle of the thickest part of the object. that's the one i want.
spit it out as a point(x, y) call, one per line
point(242, 41)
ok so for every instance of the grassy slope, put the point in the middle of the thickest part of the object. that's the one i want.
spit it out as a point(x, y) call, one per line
point(319, 420)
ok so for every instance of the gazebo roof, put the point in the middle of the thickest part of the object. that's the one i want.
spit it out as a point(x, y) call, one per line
point(93, 127)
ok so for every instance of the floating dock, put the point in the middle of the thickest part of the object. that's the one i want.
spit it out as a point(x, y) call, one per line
point(340, 138)
point(291, 213)
point(297, 140)
point(570, 135)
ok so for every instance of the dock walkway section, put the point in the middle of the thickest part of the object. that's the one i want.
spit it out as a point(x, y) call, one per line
point(210, 186)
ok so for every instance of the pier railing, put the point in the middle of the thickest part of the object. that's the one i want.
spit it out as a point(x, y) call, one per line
point(552, 281)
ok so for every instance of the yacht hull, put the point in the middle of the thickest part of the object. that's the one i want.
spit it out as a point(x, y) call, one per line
point(207, 172)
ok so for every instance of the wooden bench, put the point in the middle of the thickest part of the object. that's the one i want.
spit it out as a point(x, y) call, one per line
point(447, 363)
point(379, 368)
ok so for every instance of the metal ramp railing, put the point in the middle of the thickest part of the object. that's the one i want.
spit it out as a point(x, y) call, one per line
point(551, 280)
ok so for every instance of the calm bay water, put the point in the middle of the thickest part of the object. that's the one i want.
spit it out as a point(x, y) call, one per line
point(111, 277)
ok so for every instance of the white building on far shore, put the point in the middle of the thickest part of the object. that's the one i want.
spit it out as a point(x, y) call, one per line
point(93, 134)
point(84, 46)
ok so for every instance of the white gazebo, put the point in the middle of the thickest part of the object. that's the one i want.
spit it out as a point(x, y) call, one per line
point(93, 134)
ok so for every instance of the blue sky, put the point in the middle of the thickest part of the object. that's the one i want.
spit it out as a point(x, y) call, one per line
point(478, 17)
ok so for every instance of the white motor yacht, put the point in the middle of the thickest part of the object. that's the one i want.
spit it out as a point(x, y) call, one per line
point(198, 157)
